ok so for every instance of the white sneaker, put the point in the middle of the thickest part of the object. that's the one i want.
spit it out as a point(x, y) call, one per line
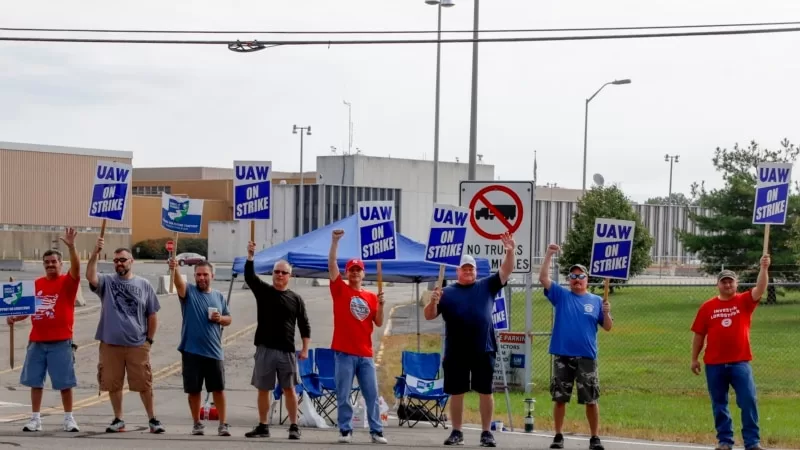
point(377, 438)
point(71, 425)
point(345, 437)
point(33, 425)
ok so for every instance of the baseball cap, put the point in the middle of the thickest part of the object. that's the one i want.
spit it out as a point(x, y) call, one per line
point(467, 259)
point(578, 266)
point(354, 263)
point(726, 274)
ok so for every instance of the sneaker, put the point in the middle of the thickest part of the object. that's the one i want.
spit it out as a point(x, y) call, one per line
point(33, 425)
point(558, 441)
point(487, 439)
point(345, 436)
point(261, 430)
point(456, 438)
point(755, 447)
point(722, 446)
point(156, 427)
point(71, 425)
point(198, 429)
point(223, 430)
point(294, 431)
point(377, 438)
point(594, 443)
point(117, 426)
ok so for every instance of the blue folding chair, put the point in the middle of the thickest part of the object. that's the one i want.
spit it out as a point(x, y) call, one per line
point(421, 390)
point(326, 370)
point(309, 383)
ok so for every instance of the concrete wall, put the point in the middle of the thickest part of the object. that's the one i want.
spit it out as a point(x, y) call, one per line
point(31, 244)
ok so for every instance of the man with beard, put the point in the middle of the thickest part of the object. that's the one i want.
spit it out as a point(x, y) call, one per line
point(355, 311)
point(50, 343)
point(126, 329)
point(573, 344)
point(723, 323)
point(204, 312)
point(279, 310)
point(470, 346)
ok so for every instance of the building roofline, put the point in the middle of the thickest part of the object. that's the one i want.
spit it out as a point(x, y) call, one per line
point(41, 148)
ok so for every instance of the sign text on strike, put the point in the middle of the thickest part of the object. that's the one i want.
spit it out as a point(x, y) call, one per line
point(447, 245)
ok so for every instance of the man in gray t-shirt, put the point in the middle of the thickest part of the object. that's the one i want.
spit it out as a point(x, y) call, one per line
point(128, 321)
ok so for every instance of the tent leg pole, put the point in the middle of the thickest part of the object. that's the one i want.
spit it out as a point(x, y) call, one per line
point(230, 289)
point(416, 304)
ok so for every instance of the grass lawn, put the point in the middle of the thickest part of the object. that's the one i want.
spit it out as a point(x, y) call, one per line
point(647, 389)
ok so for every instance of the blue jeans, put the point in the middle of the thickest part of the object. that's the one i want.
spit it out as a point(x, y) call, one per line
point(347, 367)
point(55, 358)
point(740, 376)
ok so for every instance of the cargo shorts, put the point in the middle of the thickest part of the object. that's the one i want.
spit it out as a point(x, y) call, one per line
point(569, 371)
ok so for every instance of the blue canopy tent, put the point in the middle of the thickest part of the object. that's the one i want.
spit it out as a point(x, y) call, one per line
point(308, 255)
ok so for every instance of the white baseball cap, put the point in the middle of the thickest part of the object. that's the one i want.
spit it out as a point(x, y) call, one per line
point(467, 259)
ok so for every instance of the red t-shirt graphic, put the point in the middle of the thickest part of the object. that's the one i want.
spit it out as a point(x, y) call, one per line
point(55, 309)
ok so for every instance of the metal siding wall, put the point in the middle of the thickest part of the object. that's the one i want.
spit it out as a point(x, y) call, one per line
point(51, 189)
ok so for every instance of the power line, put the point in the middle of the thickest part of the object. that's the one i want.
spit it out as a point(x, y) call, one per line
point(405, 41)
point(531, 30)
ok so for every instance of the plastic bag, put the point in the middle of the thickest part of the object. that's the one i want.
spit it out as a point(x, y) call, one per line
point(360, 414)
point(384, 411)
point(309, 417)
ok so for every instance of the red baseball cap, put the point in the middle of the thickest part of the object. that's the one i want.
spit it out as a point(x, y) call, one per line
point(354, 263)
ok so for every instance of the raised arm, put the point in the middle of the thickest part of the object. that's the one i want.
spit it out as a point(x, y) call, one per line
point(544, 271)
point(91, 266)
point(762, 280)
point(74, 260)
point(333, 268)
point(254, 282)
point(507, 267)
point(180, 285)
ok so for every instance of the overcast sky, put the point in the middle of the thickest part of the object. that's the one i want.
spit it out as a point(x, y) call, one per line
point(204, 105)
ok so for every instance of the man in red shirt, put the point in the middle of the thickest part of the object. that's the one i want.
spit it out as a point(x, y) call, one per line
point(50, 342)
point(355, 311)
point(723, 323)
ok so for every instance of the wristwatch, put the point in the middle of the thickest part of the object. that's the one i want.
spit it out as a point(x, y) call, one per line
point(149, 341)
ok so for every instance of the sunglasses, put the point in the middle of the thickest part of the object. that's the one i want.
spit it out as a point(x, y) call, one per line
point(120, 260)
point(577, 276)
point(280, 272)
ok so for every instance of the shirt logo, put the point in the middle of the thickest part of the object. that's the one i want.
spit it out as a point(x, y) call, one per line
point(726, 322)
point(588, 308)
point(359, 308)
point(45, 306)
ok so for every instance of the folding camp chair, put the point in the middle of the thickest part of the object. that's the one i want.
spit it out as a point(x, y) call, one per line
point(421, 390)
point(309, 383)
point(326, 370)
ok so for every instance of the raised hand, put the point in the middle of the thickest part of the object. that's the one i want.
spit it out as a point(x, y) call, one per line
point(380, 298)
point(552, 249)
point(251, 249)
point(436, 295)
point(337, 234)
point(508, 242)
point(765, 261)
point(171, 262)
point(606, 307)
point(69, 237)
point(99, 246)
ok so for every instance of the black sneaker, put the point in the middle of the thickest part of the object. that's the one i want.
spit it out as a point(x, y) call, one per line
point(262, 430)
point(156, 426)
point(294, 431)
point(456, 438)
point(594, 443)
point(487, 439)
point(558, 441)
point(117, 426)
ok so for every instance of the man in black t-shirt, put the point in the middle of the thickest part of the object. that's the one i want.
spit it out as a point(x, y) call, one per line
point(279, 310)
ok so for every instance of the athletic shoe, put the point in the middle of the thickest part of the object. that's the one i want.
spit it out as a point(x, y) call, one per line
point(117, 426)
point(487, 439)
point(377, 438)
point(456, 438)
point(199, 429)
point(262, 430)
point(155, 426)
point(33, 425)
point(71, 425)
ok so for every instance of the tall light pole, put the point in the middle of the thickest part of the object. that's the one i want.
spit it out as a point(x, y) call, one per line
point(440, 4)
point(349, 127)
point(586, 125)
point(671, 159)
point(283, 183)
point(473, 116)
point(302, 206)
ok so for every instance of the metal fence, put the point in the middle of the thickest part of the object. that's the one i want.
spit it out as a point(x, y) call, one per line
point(649, 347)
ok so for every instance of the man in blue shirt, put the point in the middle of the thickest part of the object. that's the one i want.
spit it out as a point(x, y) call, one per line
point(205, 312)
point(573, 344)
point(470, 346)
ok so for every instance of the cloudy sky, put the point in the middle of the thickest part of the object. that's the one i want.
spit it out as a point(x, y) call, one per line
point(204, 105)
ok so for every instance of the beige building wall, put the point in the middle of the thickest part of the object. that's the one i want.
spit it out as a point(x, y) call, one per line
point(45, 188)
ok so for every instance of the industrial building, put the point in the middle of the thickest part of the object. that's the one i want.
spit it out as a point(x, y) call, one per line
point(45, 188)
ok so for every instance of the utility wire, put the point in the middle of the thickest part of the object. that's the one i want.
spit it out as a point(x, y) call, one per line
point(532, 30)
point(408, 41)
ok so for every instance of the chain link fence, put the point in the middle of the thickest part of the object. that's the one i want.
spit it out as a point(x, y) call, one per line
point(649, 348)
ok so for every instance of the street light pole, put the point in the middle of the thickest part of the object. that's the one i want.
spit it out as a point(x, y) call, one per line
point(473, 117)
point(349, 127)
point(302, 205)
point(439, 4)
point(586, 124)
point(671, 159)
point(283, 183)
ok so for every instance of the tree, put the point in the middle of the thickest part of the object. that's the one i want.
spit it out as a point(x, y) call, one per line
point(677, 198)
point(727, 237)
point(610, 203)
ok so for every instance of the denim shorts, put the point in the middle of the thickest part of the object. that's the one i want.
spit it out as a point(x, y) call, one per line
point(54, 358)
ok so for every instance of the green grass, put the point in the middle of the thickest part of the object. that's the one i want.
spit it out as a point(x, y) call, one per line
point(647, 388)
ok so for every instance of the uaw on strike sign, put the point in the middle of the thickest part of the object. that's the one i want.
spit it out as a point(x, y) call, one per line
point(496, 208)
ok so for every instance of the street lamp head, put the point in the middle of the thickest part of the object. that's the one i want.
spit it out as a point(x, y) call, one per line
point(294, 129)
point(448, 3)
point(308, 133)
point(432, 2)
point(666, 158)
point(625, 81)
point(676, 158)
